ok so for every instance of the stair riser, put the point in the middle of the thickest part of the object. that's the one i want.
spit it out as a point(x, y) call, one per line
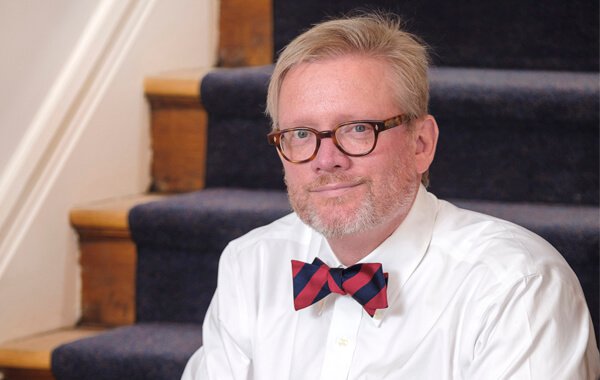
point(108, 278)
point(178, 129)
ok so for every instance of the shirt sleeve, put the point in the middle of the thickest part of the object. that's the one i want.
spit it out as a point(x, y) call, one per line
point(538, 327)
point(225, 353)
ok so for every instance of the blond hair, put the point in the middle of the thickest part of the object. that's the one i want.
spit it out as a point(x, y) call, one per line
point(375, 35)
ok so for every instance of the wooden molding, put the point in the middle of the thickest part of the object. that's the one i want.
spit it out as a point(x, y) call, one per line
point(246, 33)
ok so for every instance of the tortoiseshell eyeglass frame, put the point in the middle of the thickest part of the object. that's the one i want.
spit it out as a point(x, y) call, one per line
point(380, 125)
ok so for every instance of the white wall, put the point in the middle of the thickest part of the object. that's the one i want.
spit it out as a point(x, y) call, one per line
point(36, 39)
point(74, 127)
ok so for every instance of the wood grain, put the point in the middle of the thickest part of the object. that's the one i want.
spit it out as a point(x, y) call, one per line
point(29, 358)
point(107, 259)
point(178, 131)
point(246, 33)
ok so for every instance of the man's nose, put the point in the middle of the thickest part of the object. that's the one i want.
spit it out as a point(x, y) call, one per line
point(330, 157)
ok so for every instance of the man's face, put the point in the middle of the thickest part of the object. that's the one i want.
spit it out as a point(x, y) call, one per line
point(334, 193)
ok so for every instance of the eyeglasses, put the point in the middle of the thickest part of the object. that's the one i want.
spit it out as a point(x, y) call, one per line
point(353, 138)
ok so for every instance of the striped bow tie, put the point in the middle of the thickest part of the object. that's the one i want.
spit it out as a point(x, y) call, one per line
point(366, 283)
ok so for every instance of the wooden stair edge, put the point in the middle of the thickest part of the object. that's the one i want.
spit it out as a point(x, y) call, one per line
point(181, 84)
point(107, 217)
point(34, 352)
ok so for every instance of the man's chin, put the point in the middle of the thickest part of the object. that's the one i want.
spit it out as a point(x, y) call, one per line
point(332, 216)
point(335, 228)
point(334, 221)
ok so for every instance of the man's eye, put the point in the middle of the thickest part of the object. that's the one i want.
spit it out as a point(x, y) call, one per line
point(359, 128)
point(301, 134)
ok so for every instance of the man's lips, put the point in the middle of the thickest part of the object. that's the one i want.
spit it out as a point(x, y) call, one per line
point(335, 187)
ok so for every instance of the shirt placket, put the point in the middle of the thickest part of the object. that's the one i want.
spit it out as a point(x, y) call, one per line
point(341, 339)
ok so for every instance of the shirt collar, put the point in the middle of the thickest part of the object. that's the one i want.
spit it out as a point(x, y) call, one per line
point(401, 253)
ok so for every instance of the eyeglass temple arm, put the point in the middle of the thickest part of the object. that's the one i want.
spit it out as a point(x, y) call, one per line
point(396, 121)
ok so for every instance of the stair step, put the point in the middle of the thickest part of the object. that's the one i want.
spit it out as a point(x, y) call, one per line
point(561, 35)
point(178, 130)
point(488, 119)
point(29, 358)
point(177, 84)
point(144, 351)
point(107, 259)
point(107, 217)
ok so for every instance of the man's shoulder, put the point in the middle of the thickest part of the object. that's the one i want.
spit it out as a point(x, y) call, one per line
point(506, 249)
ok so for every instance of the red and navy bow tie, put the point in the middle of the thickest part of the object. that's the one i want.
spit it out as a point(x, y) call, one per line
point(366, 283)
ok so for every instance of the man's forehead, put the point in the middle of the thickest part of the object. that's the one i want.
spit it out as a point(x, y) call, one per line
point(344, 88)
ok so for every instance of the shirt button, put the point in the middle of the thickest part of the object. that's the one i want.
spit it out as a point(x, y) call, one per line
point(342, 342)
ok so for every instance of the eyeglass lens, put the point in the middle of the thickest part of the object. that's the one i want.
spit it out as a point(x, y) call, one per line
point(352, 139)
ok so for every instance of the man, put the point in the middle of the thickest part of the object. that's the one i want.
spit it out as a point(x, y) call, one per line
point(438, 293)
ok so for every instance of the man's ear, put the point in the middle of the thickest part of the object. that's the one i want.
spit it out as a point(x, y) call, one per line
point(426, 135)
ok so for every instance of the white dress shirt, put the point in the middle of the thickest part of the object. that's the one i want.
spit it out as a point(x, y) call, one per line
point(470, 297)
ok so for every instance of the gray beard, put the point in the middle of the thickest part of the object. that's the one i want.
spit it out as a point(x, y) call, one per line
point(363, 219)
point(370, 213)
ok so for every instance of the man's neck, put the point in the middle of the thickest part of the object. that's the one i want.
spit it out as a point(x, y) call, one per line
point(350, 249)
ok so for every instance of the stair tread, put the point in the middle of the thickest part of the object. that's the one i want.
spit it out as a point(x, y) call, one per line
point(151, 351)
point(33, 352)
point(481, 34)
point(481, 87)
point(178, 83)
point(109, 213)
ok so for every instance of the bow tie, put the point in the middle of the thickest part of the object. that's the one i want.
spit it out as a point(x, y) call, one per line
point(366, 283)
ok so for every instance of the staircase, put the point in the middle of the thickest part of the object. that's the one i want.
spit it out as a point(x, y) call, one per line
point(514, 90)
